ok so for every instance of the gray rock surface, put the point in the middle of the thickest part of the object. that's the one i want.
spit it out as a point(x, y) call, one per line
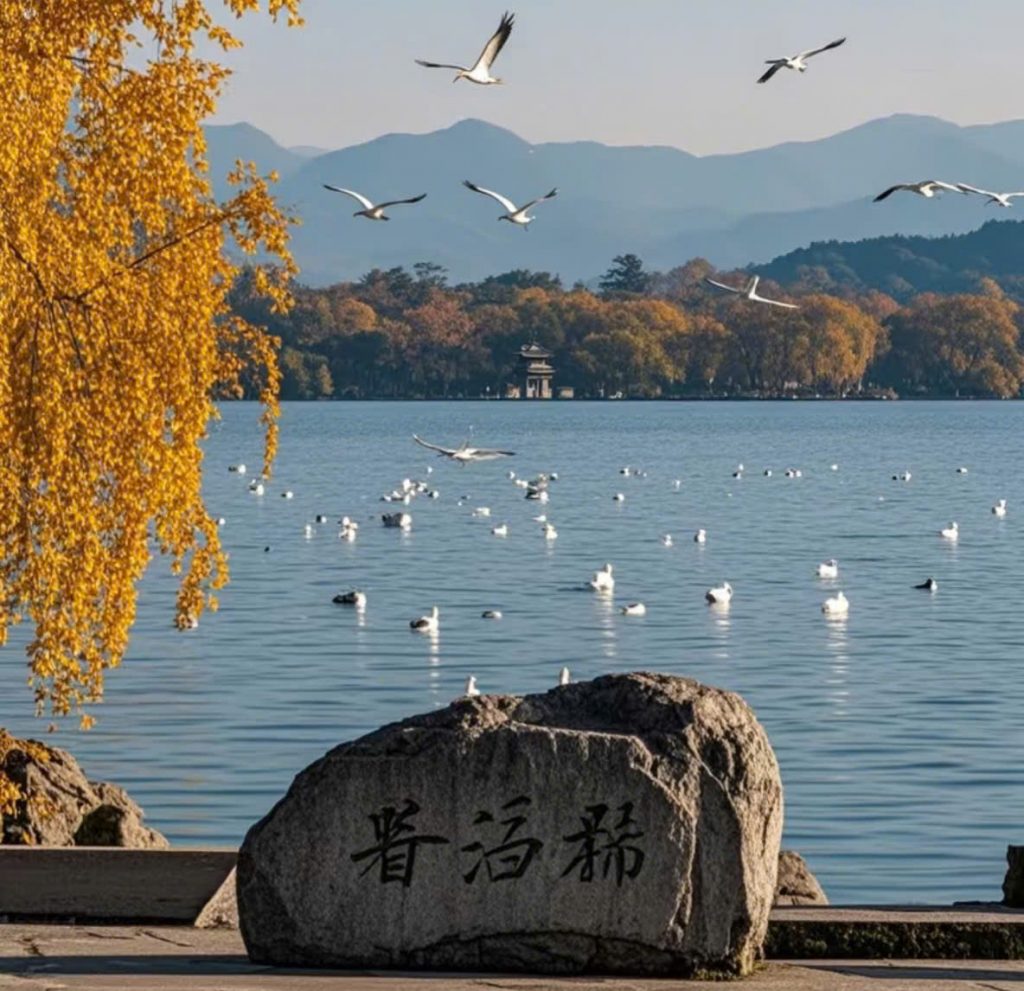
point(796, 885)
point(625, 825)
point(64, 808)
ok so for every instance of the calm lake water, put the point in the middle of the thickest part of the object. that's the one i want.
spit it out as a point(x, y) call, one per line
point(899, 732)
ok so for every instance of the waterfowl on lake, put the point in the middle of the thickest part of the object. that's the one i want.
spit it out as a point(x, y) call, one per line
point(719, 596)
point(426, 624)
point(603, 580)
point(828, 569)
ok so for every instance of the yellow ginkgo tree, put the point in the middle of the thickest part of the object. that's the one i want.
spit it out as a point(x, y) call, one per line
point(115, 335)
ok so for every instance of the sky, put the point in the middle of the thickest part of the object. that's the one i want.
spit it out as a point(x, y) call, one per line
point(625, 72)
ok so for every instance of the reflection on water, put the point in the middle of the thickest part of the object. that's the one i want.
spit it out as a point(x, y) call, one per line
point(606, 616)
point(720, 613)
point(898, 731)
point(836, 644)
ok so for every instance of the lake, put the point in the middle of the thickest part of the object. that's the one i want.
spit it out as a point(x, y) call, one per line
point(899, 731)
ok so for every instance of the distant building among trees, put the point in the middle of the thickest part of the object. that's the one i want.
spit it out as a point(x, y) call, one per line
point(534, 373)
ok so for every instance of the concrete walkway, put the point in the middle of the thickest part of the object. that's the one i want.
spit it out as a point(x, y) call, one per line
point(140, 958)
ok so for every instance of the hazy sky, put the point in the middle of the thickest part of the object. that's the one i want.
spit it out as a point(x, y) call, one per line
point(673, 72)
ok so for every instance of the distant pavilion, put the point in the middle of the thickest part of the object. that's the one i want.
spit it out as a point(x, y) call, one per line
point(533, 374)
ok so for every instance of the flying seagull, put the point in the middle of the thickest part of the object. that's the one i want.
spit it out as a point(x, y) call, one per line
point(515, 214)
point(1000, 199)
point(751, 293)
point(928, 188)
point(370, 211)
point(481, 71)
point(798, 63)
point(464, 453)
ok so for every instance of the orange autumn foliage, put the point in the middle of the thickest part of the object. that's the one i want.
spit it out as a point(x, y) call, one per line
point(115, 335)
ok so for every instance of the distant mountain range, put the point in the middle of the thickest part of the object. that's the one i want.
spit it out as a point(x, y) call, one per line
point(660, 203)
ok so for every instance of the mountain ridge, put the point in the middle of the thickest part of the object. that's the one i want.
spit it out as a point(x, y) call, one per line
point(660, 202)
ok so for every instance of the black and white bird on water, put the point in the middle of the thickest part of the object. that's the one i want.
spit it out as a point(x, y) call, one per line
point(750, 293)
point(480, 72)
point(369, 210)
point(798, 63)
point(927, 188)
point(514, 214)
point(464, 453)
point(928, 585)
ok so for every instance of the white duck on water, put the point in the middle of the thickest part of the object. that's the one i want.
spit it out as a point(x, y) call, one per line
point(951, 532)
point(603, 580)
point(829, 568)
point(720, 595)
point(428, 623)
point(837, 605)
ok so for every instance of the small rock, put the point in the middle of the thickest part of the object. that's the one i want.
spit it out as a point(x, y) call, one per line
point(221, 911)
point(796, 884)
point(1013, 883)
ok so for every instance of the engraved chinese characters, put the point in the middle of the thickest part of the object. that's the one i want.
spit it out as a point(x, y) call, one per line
point(607, 849)
point(625, 825)
point(397, 843)
point(510, 859)
point(604, 849)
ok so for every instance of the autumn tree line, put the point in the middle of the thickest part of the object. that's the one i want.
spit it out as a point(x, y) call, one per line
point(401, 334)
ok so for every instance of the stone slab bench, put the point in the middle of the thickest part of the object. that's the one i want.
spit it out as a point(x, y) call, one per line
point(978, 931)
point(110, 884)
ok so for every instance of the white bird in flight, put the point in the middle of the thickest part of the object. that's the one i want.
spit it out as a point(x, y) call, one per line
point(515, 214)
point(480, 73)
point(1000, 199)
point(751, 293)
point(464, 453)
point(798, 63)
point(369, 210)
point(926, 188)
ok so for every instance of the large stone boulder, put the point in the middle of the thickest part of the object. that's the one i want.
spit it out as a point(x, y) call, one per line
point(796, 885)
point(626, 825)
point(61, 807)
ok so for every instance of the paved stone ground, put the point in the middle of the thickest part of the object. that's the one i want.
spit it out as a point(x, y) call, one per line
point(140, 958)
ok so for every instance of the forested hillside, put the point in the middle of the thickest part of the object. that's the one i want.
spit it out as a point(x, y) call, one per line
point(401, 334)
point(906, 266)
